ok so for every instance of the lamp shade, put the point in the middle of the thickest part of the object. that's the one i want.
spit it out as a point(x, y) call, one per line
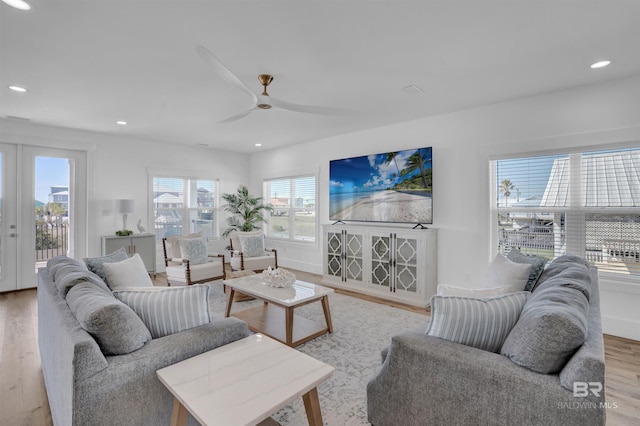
point(125, 206)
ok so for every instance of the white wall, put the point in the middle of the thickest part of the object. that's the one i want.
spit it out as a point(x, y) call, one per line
point(118, 168)
point(462, 144)
point(600, 115)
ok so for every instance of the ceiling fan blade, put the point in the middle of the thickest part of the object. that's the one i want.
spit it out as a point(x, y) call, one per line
point(222, 71)
point(309, 109)
point(237, 116)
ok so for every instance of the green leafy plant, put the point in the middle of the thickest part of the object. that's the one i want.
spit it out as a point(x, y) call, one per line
point(246, 209)
point(124, 232)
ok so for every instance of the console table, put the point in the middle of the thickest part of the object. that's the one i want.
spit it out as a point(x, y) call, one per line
point(143, 244)
point(394, 263)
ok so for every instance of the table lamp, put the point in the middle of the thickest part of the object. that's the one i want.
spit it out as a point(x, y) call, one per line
point(125, 207)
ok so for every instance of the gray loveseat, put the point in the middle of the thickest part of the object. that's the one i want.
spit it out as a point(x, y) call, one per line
point(426, 380)
point(86, 387)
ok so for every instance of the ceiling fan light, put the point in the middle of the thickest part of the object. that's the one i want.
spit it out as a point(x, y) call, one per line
point(264, 102)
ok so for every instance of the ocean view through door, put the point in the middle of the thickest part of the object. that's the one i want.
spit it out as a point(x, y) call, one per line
point(43, 202)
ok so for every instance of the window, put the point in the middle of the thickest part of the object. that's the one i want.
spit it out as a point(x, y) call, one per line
point(184, 205)
point(586, 204)
point(294, 208)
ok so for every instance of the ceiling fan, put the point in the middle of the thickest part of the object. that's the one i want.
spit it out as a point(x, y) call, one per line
point(263, 100)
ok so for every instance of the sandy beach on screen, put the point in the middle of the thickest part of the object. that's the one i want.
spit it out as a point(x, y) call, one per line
point(389, 206)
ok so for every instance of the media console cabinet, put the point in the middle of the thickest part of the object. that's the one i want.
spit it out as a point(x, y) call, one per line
point(394, 263)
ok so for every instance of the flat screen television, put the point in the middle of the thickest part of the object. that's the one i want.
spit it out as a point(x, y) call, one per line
point(387, 187)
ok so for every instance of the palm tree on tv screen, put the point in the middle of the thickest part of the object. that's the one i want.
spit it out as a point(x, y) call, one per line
point(391, 156)
point(417, 161)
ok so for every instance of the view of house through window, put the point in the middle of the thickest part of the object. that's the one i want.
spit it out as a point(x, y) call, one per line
point(51, 208)
point(184, 206)
point(294, 208)
point(587, 204)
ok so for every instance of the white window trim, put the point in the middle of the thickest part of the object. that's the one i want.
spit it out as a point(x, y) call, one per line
point(574, 208)
point(291, 174)
point(183, 174)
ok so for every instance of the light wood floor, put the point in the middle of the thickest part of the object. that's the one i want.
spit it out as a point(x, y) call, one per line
point(23, 400)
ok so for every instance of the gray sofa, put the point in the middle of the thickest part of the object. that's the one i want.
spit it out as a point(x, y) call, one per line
point(426, 380)
point(85, 387)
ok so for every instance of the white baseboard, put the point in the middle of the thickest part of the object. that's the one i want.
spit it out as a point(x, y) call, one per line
point(301, 266)
point(621, 327)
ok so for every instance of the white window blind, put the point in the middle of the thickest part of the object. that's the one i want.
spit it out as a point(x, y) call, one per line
point(294, 208)
point(586, 204)
point(184, 205)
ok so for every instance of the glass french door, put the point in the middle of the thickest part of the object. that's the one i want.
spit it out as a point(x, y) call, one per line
point(42, 210)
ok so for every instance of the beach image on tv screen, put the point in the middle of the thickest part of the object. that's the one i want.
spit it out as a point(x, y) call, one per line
point(387, 187)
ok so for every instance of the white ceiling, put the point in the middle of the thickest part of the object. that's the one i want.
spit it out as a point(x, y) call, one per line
point(88, 63)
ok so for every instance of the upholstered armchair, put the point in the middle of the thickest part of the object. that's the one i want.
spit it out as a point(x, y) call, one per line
point(248, 252)
point(187, 260)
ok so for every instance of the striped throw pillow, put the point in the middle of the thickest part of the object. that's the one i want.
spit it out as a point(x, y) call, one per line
point(482, 323)
point(168, 310)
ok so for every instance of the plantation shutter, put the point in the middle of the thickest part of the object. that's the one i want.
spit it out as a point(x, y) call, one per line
point(611, 201)
point(183, 206)
point(293, 200)
point(586, 204)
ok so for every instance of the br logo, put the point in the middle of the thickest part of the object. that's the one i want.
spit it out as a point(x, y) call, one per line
point(582, 389)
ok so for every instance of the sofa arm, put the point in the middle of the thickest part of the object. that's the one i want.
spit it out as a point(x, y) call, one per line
point(101, 399)
point(428, 380)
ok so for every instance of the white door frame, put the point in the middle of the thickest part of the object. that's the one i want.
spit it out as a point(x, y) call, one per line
point(25, 274)
point(9, 212)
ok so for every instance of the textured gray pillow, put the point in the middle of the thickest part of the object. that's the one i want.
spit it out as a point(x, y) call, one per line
point(57, 262)
point(96, 264)
point(558, 264)
point(116, 328)
point(537, 266)
point(573, 275)
point(552, 326)
point(66, 276)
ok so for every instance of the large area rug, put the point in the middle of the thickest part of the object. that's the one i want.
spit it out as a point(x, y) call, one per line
point(361, 330)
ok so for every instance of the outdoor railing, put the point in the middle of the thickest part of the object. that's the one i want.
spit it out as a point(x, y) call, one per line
point(52, 239)
point(532, 240)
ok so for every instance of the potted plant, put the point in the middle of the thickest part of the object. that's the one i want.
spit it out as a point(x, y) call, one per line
point(247, 211)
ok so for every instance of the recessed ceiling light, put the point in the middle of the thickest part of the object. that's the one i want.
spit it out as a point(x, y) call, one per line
point(258, 144)
point(122, 123)
point(18, 4)
point(600, 64)
point(18, 89)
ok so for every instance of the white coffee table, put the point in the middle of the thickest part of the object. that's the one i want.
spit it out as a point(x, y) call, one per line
point(244, 382)
point(276, 317)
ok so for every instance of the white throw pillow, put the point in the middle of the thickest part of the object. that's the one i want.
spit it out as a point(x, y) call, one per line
point(252, 245)
point(168, 310)
point(503, 272)
point(194, 250)
point(449, 290)
point(173, 243)
point(480, 323)
point(130, 272)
